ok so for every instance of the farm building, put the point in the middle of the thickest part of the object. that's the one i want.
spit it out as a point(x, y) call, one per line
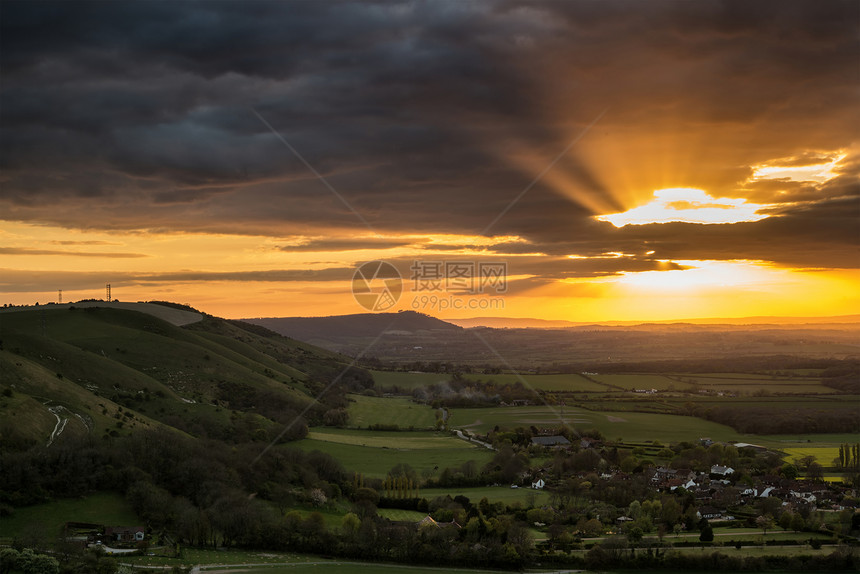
point(125, 533)
point(722, 470)
point(550, 441)
point(429, 521)
point(710, 513)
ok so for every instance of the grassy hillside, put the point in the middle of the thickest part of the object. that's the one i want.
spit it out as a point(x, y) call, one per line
point(327, 330)
point(104, 371)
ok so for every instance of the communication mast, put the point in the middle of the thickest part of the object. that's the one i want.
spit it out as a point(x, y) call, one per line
point(60, 297)
point(107, 290)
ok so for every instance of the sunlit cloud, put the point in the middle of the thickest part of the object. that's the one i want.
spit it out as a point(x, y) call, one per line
point(688, 205)
point(606, 255)
point(808, 167)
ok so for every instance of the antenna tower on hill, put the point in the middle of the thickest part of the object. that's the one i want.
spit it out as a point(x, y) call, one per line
point(107, 291)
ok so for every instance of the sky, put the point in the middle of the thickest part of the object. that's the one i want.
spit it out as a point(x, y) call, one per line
point(615, 160)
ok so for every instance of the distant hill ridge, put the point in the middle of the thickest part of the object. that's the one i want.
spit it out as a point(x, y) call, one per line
point(359, 325)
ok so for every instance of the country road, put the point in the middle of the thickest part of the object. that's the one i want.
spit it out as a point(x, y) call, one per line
point(469, 438)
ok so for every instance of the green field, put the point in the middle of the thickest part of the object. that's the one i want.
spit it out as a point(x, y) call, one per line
point(736, 383)
point(818, 402)
point(555, 382)
point(281, 563)
point(629, 426)
point(356, 568)
point(380, 451)
point(387, 439)
point(632, 382)
point(407, 381)
point(403, 412)
point(752, 383)
point(824, 447)
point(399, 515)
point(559, 382)
point(105, 508)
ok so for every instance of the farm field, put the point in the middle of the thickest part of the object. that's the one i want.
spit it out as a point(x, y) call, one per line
point(387, 439)
point(349, 568)
point(800, 443)
point(629, 426)
point(104, 508)
point(786, 402)
point(281, 563)
point(757, 383)
point(824, 455)
point(400, 515)
point(285, 563)
point(407, 381)
point(403, 412)
point(426, 452)
point(739, 384)
point(645, 381)
point(555, 382)
point(748, 387)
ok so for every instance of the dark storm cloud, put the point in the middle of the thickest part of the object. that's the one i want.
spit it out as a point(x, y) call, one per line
point(17, 280)
point(430, 118)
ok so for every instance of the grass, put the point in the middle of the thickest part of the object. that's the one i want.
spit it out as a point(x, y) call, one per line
point(426, 452)
point(365, 411)
point(818, 402)
point(399, 515)
point(407, 381)
point(282, 563)
point(358, 568)
point(630, 426)
point(355, 568)
point(641, 381)
point(555, 382)
point(105, 508)
point(751, 383)
point(194, 556)
point(333, 516)
point(387, 439)
point(566, 382)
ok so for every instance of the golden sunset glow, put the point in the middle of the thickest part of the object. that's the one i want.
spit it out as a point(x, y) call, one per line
point(239, 276)
point(796, 169)
point(689, 206)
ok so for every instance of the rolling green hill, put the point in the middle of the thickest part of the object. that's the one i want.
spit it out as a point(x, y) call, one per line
point(106, 371)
